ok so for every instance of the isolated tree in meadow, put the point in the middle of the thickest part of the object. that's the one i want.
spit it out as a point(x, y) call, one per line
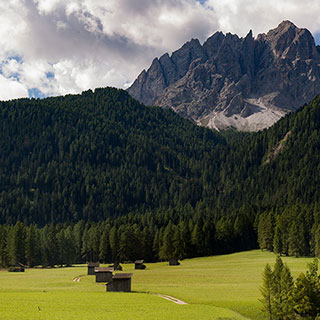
point(306, 294)
point(266, 291)
point(277, 291)
point(286, 308)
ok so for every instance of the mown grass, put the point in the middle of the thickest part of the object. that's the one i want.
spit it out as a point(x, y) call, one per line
point(220, 287)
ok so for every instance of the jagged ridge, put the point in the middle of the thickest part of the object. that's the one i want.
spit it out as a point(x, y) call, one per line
point(229, 81)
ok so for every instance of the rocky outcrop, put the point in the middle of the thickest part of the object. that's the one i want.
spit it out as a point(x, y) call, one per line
point(228, 81)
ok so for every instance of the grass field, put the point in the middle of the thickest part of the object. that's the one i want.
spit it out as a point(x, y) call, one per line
point(219, 287)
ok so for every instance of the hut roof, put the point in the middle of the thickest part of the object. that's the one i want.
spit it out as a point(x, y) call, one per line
point(103, 269)
point(122, 276)
point(139, 261)
point(93, 264)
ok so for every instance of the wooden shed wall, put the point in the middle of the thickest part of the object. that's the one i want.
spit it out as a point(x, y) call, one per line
point(119, 285)
point(103, 276)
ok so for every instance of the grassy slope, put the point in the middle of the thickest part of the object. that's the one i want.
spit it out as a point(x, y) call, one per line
point(229, 281)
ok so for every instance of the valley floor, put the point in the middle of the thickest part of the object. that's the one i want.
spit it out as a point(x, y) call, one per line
point(218, 287)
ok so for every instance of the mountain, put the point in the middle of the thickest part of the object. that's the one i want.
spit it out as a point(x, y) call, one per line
point(232, 82)
point(102, 154)
point(129, 181)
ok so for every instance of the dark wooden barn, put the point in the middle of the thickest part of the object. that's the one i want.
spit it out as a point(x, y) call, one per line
point(138, 264)
point(121, 282)
point(174, 262)
point(91, 266)
point(103, 274)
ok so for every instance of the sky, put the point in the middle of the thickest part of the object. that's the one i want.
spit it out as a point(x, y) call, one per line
point(57, 47)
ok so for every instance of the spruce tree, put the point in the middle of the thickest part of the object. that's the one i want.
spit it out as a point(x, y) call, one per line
point(266, 291)
point(306, 294)
point(17, 249)
point(104, 248)
point(4, 258)
point(167, 248)
point(32, 246)
point(286, 311)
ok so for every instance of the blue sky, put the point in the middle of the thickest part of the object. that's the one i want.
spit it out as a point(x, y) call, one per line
point(57, 47)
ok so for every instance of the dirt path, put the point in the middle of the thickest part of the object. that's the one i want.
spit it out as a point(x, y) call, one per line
point(77, 279)
point(172, 299)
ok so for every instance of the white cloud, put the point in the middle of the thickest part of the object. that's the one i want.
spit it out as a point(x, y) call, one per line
point(239, 16)
point(92, 43)
point(11, 89)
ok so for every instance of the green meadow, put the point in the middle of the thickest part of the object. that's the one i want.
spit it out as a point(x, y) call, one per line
point(218, 287)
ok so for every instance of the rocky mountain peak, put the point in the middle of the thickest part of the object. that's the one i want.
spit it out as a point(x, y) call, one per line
point(287, 40)
point(245, 83)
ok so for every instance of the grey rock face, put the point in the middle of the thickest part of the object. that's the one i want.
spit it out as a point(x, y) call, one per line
point(228, 81)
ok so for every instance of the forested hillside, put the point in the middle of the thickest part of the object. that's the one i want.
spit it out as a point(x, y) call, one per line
point(98, 155)
point(118, 180)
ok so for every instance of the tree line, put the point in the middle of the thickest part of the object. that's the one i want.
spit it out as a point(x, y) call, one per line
point(100, 156)
point(152, 237)
point(286, 299)
point(291, 231)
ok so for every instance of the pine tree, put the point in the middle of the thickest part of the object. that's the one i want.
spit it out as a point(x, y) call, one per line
point(277, 288)
point(32, 246)
point(296, 240)
point(306, 295)
point(52, 246)
point(317, 241)
point(277, 240)
point(286, 279)
point(114, 243)
point(17, 249)
point(265, 231)
point(167, 248)
point(70, 251)
point(156, 245)
point(104, 248)
point(4, 258)
point(266, 291)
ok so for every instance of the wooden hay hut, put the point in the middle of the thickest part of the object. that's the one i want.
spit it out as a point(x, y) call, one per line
point(91, 267)
point(103, 274)
point(138, 264)
point(121, 282)
point(174, 262)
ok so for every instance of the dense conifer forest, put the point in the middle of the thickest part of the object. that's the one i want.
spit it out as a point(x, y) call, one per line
point(105, 178)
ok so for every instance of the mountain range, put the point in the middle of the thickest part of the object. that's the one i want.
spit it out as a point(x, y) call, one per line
point(230, 82)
